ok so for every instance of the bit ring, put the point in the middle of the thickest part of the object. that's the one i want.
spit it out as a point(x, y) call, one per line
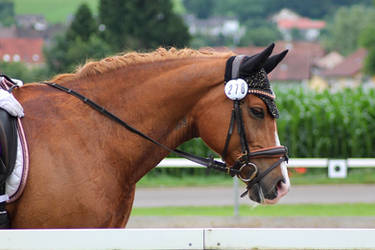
point(247, 172)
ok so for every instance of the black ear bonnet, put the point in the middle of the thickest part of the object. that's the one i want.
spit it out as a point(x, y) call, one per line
point(254, 71)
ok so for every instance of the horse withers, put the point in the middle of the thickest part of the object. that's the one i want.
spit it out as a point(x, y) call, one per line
point(83, 166)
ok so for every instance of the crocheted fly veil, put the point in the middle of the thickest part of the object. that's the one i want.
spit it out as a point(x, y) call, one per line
point(254, 70)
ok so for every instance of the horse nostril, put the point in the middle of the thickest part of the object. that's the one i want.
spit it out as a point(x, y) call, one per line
point(274, 192)
point(280, 183)
point(282, 188)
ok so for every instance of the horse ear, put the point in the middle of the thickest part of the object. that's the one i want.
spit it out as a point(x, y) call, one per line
point(273, 61)
point(254, 63)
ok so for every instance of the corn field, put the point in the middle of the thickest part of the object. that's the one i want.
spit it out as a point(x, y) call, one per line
point(312, 124)
point(334, 125)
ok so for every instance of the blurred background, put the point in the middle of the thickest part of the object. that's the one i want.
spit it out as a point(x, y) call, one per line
point(325, 85)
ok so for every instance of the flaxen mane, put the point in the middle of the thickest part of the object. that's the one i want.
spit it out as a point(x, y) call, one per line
point(118, 61)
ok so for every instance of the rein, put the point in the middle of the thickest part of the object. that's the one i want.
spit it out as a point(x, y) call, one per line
point(242, 168)
point(209, 163)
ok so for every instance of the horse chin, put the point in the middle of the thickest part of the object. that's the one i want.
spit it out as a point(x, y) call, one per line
point(258, 195)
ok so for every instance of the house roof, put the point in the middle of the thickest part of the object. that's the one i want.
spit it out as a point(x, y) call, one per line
point(350, 66)
point(285, 14)
point(28, 50)
point(329, 61)
point(297, 63)
point(300, 23)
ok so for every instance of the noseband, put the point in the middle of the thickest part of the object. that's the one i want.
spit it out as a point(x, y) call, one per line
point(237, 89)
point(243, 167)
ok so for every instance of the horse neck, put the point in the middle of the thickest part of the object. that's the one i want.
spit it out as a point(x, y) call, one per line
point(157, 99)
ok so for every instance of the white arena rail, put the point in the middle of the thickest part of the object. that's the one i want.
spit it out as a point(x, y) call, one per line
point(209, 238)
point(293, 163)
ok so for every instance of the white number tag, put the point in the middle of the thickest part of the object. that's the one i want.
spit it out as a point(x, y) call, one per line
point(236, 89)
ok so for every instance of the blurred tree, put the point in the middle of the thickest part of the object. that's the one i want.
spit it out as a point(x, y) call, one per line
point(65, 55)
point(178, 7)
point(201, 40)
point(6, 12)
point(244, 10)
point(20, 71)
point(83, 25)
point(260, 34)
point(201, 9)
point(15, 70)
point(141, 24)
point(160, 26)
point(250, 9)
point(342, 35)
point(80, 43)
point(316, 9)
point(116, 22)
point(367, 40)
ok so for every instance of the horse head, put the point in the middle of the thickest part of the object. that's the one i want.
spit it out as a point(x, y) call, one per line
point(243, 130)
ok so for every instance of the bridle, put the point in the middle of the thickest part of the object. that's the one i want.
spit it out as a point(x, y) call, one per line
point(243, 168)
point(247, 170)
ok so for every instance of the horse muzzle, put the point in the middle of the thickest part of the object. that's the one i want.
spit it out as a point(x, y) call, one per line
point(249, 172)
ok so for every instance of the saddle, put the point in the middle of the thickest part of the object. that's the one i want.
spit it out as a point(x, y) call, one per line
point(8, 155)
point(8, 145)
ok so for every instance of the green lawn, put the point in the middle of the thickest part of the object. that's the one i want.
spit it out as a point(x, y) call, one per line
point(164, 180)
point(55, 11)
point(358, 209)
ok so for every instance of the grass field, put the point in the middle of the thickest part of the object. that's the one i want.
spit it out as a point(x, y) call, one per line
point(358, 209)
point(55, 11)
point(164, 180)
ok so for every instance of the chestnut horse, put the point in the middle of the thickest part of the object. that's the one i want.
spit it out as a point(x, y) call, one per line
point(84, 167)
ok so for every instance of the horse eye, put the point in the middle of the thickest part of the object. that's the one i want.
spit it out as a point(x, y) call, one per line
point(256, 113)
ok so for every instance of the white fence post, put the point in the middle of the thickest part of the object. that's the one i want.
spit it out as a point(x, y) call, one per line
point(236, 197)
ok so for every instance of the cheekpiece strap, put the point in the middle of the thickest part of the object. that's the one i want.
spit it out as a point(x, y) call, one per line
point(240, 87)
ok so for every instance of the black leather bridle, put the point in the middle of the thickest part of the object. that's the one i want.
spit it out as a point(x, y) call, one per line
point(243, 167)
point(247, 170)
